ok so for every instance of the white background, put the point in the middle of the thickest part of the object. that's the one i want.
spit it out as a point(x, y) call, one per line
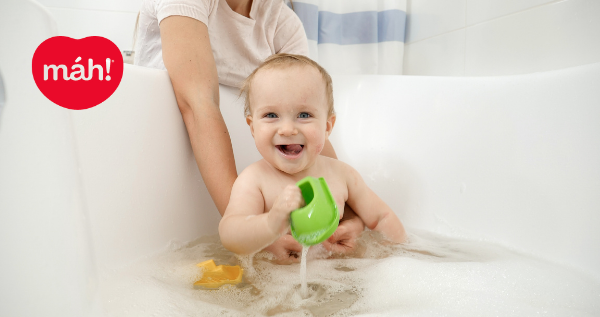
point(444, 37)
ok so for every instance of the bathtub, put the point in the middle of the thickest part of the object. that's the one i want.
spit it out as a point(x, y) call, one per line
point(514, 160)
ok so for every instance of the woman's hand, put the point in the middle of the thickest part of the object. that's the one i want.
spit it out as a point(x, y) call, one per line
point(286, 250)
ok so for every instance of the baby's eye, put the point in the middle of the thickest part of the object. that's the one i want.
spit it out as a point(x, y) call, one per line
point(304, 115)
point(271, 115)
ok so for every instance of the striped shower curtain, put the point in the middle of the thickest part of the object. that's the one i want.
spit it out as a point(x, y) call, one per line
point(355, 36)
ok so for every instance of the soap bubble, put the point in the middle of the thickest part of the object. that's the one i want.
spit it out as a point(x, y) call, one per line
point(430, 275)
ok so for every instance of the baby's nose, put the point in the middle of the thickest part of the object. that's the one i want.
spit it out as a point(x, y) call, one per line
point(287, 128)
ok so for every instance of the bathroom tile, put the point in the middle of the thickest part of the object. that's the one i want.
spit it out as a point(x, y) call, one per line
point(82, 23)
point(553, 36)
point(483, 10)
point(427, 18)
point(442, 55)
point(107, 5)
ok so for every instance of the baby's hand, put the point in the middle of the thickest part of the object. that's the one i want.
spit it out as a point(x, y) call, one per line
point(285, 249)
point(343, 240)
point(289, 200)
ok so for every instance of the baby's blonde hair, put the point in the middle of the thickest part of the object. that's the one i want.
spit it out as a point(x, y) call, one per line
point(282, 60)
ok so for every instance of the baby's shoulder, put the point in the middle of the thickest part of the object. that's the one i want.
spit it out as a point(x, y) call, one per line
point(256, 172)
point(255, 169)
point(335, 164)
point(338, 168)
point(341, 170)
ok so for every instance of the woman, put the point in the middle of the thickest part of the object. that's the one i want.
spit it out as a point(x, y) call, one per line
point(202, 43)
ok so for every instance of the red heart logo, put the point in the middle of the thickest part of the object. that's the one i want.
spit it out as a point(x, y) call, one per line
point(77, 74)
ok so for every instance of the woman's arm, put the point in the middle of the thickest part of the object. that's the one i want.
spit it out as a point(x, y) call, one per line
point(189, 60)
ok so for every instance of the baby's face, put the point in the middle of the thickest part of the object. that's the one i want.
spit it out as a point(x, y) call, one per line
point(289, 116)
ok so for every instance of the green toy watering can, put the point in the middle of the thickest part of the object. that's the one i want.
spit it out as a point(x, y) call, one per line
point(317, 221)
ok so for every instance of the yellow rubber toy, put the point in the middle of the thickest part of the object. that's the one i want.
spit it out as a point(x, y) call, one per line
point(214, 276)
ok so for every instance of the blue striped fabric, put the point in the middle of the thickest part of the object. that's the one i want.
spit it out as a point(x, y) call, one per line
point(309, 15)
point(351, 28)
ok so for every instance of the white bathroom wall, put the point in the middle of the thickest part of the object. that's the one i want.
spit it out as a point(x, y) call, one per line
point(47, 263)
point(500, 37)
point(113, 19)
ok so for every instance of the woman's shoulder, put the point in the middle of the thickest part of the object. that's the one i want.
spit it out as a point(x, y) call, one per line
point(190, 8)
point(288, 31)
point(154, 3)
point(273, 9)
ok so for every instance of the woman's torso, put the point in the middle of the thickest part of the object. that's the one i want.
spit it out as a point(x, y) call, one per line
point(239, 43)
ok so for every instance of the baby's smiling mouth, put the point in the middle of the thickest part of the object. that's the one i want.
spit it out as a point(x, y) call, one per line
point(290, 150)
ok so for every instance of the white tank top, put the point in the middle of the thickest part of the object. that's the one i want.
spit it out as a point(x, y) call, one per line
point(239, 44)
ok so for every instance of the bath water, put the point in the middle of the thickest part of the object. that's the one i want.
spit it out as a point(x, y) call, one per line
point(431, 275)
point(303, 285)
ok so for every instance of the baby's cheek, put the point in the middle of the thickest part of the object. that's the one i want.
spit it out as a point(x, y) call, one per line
point(319, 142)
point(319, 148)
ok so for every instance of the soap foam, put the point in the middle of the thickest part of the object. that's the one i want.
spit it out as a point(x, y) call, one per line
point(429, 276)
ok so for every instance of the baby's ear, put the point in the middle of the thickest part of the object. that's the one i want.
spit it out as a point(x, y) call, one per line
point(330, 124)
point(249, 122)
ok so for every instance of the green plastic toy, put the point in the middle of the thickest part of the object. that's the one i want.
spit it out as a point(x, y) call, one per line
point(317, 221)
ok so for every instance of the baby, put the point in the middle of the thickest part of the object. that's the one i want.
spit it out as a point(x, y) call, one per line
point(289, 108)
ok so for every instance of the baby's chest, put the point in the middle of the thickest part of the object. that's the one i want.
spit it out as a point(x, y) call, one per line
point(337, 187)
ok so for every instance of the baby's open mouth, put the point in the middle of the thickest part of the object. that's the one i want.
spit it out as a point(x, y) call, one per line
point(290, 149)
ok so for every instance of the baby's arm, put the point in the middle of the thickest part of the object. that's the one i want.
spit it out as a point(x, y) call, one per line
point(245, 229)
point(343, 240)
point(375, 213)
